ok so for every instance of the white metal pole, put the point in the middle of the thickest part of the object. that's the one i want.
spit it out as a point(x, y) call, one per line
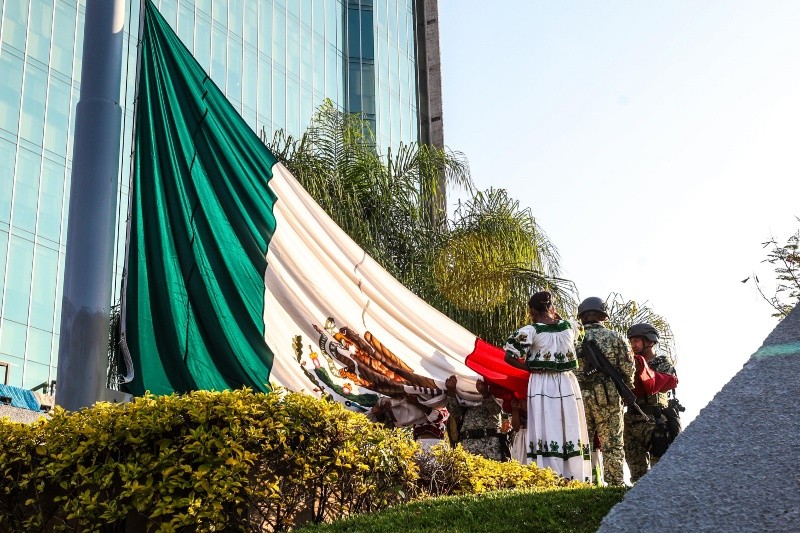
point(88, 270)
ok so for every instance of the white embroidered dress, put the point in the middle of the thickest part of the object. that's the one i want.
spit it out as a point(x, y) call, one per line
point(557, 436)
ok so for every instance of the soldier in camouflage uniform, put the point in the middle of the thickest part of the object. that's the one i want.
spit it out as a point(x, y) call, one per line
point(603, 404)
point(638, 429)
point(480, 425)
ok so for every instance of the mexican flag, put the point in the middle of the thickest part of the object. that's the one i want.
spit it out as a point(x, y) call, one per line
point(236, 277)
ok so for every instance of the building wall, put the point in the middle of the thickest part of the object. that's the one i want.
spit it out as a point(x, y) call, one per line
point(276, 60)
point(387, 66)
point(40, 58)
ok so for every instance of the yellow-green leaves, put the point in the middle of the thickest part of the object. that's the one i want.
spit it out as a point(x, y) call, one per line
point(205, 461)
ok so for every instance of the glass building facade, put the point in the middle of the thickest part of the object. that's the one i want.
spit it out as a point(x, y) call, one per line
point(276, 60)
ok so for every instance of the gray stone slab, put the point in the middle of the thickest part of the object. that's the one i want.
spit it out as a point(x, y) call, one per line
point(735, 468)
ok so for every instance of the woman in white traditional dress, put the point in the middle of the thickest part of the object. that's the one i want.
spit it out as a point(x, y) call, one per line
point(557, 436)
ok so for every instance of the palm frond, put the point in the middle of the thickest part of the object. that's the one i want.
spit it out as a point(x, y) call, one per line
point(622, 314)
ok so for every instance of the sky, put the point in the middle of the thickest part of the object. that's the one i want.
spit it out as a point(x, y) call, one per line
point(656, 143)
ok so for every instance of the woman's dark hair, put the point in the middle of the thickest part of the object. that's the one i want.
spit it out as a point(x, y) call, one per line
point(541, 301)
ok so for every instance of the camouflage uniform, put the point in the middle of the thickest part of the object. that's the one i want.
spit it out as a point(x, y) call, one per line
point(638, 429)
point(602, 402)
point(483, 419)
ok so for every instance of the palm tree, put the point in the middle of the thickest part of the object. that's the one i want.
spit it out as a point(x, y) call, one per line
point(493, 257)
point(622, 314)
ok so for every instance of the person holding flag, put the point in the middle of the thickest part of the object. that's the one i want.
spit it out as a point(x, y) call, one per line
point(556, 428)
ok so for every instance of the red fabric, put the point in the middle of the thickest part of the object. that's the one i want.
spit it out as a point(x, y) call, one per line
point(506, 381)
point(648, 381)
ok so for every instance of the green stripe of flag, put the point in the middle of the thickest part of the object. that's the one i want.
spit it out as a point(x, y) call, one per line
point(200, 226)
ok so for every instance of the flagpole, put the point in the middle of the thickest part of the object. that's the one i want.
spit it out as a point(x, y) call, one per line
point(123, 308)
point(88, 266)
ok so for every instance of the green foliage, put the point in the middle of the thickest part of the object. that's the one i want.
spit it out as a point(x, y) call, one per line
point(205, 461)
point(785, 259)
point(622, 314)
point(491, 260)
point(578, 510)
point(454, 471)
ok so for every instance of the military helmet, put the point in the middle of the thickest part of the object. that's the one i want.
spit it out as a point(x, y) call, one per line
point(592, 303)
point(643, 330)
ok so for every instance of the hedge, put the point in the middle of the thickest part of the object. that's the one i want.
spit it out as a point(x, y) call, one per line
point(232, 461)
point(205, 461)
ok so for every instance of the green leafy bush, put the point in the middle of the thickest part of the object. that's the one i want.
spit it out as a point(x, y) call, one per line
point(454, 471)
point(205, 461)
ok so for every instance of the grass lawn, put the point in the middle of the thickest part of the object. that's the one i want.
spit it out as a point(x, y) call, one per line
point(556, 510)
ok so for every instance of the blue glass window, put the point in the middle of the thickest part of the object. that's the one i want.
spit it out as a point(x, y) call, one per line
point(318, 58)
point(353, 33)
point(317, 17)
point(250, 28)
point(219, 60)
point(265, 28)
point(331, 20)
point(265, 88)
point(15, 19)
point(10, 91)
point(18, 281)
point(219, 12)
point(3, 257)
point(35, 374)
point(39, 30)
point(235, 59)
point(38, 347)
point(279, 37)
point(293, 108)
point(306, 69)
point(236, 17)
point(307, 107)
point(26, 191)
point(34, 93)
point(403, 29)
point(169, 10)
point(354, 88)
point(12, 341)
point(368, 88)
point(293, 46)
point(250, 78)
point(367, 35)
point(59, 284)
point(43, 291)
point(79, 46)
point(332, 76)
point(8, 152)
point(51, 201)
point(185, 26)
point(204, 6)
point(202, 41)
point(392, 20)
point(63, 37)
point(278, 99)
point(57, 119)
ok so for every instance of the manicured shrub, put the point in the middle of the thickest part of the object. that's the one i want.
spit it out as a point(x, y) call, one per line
point(205, 461)
point(454, 471)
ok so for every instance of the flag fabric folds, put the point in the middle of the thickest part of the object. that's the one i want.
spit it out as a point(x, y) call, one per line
point(236, 277)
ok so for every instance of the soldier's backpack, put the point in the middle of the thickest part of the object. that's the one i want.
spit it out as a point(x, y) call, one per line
point(668, 426)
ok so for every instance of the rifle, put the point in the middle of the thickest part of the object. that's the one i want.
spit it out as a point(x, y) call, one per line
point(596, 361)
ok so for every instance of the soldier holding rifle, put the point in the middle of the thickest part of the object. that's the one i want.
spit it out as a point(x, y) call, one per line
point(601, 397)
